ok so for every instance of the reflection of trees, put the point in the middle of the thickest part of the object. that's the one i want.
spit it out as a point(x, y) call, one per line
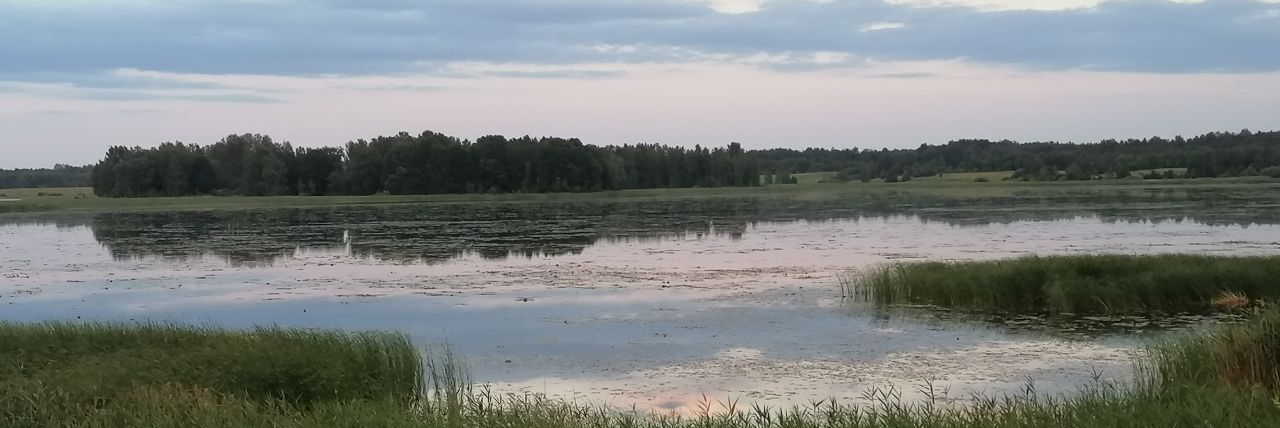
point(430, 233)
point(240, 237)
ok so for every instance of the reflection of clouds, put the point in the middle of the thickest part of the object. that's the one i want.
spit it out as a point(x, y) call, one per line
point(748, 354)
point(747, 376)
point(469, 296)
point(729, 334)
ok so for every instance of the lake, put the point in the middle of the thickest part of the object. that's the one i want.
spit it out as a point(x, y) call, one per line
point(655, 303)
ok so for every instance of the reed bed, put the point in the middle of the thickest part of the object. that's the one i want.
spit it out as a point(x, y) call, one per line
point(62, 374)
point(1080, 284)
point(73, 375)
point(1245, 356)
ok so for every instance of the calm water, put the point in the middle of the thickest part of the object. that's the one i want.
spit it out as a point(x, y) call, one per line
point(652, 303)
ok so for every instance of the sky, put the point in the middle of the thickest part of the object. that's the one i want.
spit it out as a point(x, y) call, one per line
point(78, 76)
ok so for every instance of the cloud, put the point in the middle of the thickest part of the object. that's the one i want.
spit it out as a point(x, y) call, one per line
point(556, 74)
point(77, 114)
point(903, 75)
point(350, 37)
point(735, 6)
point(998, 5)
point(881, 26)
point(124, 79)
point(143, 96)
point(125, 85)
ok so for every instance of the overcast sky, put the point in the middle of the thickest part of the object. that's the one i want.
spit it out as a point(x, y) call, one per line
point(77, 76)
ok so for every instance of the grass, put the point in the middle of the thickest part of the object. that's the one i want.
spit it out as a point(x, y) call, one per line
point(87, 375)
point(107, 374)
point(814, 177)
point(1243, 358)
point(1073, 284)
point(959, 186)
point(1141, 172)
point(968, 177)
point(44, 199)
point(66, 203)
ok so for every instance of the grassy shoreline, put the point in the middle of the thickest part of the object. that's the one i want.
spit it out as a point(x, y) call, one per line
point(116, 375)
point(1079, 284)
point(62, 374)
point(81, 199)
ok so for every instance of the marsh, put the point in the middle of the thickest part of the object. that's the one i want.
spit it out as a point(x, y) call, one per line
point(650, 302)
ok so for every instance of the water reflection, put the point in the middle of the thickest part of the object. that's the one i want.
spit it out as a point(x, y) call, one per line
point(433, 233)
point(1064, 326)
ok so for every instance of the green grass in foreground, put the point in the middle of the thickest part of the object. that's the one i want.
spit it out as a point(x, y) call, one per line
point(63, 375)
point(1073, 284)
point(88, 374)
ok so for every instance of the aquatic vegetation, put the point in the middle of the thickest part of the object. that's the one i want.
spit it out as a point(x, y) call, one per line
point(1245, 356)
point(154, 375)
point(1231, 301)
point(57, 374)
point(1240, 193)
point(1077, 283)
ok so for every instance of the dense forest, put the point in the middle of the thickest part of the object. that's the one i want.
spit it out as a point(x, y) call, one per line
point(1219, 154)
point(428, 163)
point(59, 176)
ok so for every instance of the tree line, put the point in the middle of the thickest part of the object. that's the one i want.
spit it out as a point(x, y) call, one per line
point(1217, 154)
point(427, 163)
point(58, 176)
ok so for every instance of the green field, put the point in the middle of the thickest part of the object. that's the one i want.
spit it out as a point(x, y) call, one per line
point(952, 177)
point(48, 193)
point(1142, 172)
point(968, 177)
point(952, 185)
point(815, 177)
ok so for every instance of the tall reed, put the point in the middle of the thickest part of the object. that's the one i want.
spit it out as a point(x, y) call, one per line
point(72, 375)
point(1245, 356)
point(1074, 283)
point(60, 369)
